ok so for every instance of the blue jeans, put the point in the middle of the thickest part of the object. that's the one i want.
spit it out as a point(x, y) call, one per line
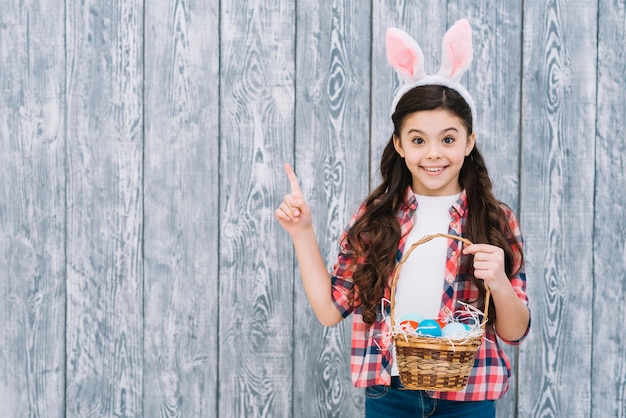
point(395, 401)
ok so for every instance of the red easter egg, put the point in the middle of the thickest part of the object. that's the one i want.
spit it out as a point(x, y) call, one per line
point(409, 324)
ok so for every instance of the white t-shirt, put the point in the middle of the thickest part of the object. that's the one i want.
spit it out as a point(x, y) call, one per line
point(420, 283)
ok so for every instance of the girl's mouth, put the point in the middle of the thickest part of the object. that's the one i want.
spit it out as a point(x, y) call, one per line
point(433, 170)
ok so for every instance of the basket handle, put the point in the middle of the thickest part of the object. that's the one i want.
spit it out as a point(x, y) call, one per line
point(421, 241)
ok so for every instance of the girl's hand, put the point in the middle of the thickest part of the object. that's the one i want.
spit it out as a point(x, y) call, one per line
point(513, 314)
point(488, 265)
point(293, 213)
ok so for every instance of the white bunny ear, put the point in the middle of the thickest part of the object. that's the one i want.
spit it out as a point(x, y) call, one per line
point(457, 51)
point(404, 55)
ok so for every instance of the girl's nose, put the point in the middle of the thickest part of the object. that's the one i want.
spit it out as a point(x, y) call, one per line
point(433, 151)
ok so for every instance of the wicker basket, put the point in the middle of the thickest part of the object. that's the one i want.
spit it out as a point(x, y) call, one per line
point(429, 363)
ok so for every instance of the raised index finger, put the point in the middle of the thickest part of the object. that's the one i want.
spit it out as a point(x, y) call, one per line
point(293, 181)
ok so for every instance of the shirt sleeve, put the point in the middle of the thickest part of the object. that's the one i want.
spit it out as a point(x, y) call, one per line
point(342, 284)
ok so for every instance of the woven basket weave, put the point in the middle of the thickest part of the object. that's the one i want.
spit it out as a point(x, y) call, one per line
point(429, 363)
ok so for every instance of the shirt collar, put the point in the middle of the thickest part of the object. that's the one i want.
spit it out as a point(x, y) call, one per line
point(460, 206)
point(409, 199)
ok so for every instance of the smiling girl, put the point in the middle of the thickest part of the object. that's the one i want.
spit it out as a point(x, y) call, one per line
point(434, 180)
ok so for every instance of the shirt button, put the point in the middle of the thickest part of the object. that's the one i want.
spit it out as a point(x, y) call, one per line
point(453, 253)
point(455, 225)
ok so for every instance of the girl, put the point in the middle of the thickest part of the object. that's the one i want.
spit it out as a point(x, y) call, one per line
point(434, 180)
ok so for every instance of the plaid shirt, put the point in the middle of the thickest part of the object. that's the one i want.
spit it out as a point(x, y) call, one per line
point(371, 359)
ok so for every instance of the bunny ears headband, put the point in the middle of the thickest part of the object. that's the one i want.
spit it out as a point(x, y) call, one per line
point(407, 58)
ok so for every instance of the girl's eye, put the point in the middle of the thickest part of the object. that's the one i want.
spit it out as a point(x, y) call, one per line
point(448, 140)
point(418, 141)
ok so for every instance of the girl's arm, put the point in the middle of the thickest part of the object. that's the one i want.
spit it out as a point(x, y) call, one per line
point(513, 314)
point(294, 215)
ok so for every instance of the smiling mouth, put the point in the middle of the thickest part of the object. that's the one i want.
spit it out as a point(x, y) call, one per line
point(433, 169)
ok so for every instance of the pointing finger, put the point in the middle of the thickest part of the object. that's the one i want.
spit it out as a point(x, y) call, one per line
point(293, 181)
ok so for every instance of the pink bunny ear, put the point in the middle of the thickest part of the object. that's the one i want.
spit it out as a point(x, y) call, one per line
point(404, 55)
point(457, 51)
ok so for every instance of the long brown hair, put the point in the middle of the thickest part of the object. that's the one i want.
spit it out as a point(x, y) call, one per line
point(376, 234)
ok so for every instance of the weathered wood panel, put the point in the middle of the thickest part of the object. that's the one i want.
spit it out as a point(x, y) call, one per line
point(226, 333)
point(32, 210)
point(608, 378)
point(104, 208)
point(256, 137)
point(557, 198)
point(494, 82)
point(332, 161)
point(180, 209)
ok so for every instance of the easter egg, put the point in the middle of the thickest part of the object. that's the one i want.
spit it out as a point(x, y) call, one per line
point(412, 316)
point(441, 323)
point(409, 325)
point(454, 330)
point(429, 327)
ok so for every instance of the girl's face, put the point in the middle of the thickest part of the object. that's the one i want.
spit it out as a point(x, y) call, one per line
point(434, 144)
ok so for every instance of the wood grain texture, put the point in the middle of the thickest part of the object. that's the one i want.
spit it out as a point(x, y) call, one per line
point(256, 138)
point(32, 210)
point(233, 89)
point(557, 200)
point(104, 213)
point(608, 378)
point(332, 161)
point(180, 209)
point(494, 81)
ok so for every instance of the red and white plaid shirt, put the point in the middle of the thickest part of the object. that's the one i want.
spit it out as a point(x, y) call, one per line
point(371, 359)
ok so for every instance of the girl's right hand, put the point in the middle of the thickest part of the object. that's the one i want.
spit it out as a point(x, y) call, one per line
point(293, 213)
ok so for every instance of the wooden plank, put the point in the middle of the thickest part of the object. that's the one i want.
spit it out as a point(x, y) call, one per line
point(104, 208)
point(331, 158)
point(557, 199)
point(608, 384)
point(256, 138)
point(32, 205)
point(181, 209)
point(494, 82)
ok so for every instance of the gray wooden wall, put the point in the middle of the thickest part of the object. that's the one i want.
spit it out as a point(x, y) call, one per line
point(141, 151)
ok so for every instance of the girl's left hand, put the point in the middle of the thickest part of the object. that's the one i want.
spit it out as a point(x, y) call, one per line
point(488, 264)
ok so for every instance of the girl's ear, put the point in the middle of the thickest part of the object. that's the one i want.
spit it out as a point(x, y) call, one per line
point(397, 144)
point(457, 51)
point(404, 55)
point(471, 142)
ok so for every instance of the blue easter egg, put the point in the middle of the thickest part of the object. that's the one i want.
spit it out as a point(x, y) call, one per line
point(454, 330)
point(429, 327)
